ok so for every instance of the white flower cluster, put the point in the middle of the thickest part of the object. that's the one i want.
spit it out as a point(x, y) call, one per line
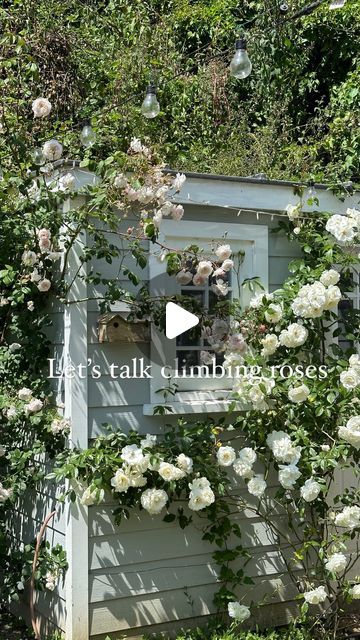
point(207, 268)
point(344, 228)
point(295, 335)
point(155, 193)
point(33, 405)
point(293, 211)
point(254, 390)
point(350, 378)
point(310, 490)
point(52, 150)
point(60, 425)
point(355, 592)
point(201, 495)
point(285, 452)
point(299, 393)
point(348, 518)
point(313, 299)
point(243, 467)
point(131, 474)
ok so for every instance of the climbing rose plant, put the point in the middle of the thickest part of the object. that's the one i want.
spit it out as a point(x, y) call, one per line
point(294, 403)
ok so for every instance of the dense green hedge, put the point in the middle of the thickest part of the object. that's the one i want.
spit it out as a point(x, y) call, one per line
point(296, 116)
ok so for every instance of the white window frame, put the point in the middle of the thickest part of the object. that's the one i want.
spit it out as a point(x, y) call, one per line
point(211, 395)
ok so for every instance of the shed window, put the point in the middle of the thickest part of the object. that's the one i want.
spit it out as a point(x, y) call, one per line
point(249, 245)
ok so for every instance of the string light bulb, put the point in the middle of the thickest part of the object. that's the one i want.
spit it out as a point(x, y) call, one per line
point(240, 65)
point(311, 192)
point(87, 136)
point(150, 107)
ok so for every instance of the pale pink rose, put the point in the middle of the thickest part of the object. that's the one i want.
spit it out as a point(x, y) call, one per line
point(199, 280)
point(44, 285)
point(43, 233)
point(41, 107)
point(177, 212)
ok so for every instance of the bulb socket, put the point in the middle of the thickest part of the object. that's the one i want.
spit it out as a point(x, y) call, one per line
point(240, 44)
point(151, 89)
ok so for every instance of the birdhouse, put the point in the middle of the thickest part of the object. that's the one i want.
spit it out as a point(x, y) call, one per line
point(112, 327)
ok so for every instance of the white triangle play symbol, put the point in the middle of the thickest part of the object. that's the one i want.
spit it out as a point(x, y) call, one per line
point(178, 320)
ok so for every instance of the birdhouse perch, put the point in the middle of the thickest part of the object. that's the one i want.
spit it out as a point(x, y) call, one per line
point(112, 327)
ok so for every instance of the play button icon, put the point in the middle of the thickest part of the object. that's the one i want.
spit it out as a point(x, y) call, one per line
point(178, 320)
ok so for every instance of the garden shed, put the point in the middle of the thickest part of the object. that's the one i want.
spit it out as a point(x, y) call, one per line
point(147, 575)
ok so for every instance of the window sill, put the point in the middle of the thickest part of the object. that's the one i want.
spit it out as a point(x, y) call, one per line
point(193, 407)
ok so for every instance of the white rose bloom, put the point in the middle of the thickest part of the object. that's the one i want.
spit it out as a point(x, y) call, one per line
point(355, 214)
point(257, 486)
point(134, 473)
point(44, 285)
point(274, 313)
point(90, 497)
point(35, 276)
point(34, 406)
point(5, 494)
point(336, 563)
point(257, 301)
point(342, 227)
point(120, 481)
point(67, 182)
point(310, 490)
point(223, 252)
point(204, 268)
point(270, 343)
point(299, 394)
point(355, 592)
point(243, 469)
point(288, 476)
point(227, 265)
point(185, 463)
point(284, 451)
point(348, 518)
point(329, 277)
point(11, 412)
point(120, 181)
point(236, 342)
point(293, 211)
point(247, 455)
point(149, 441)
point(14, 346)
point(201, 498)
point(184, 277)
point(350, 378)
point(238, 612)
point(294, 336)
point(316, 596)
point(354, 361)
point(351, 433)
point(177, 212)
point(25, 394)
point(169, 472)
point(137, 147)
point(29, 258)
point(132, 454)
point(199, 280)
point(157, 219)
point(30, 305)
point(154, 500)
point(179, 181)
point(226, 456)
point(41, 107)
point(52, 150)
point(333, 297)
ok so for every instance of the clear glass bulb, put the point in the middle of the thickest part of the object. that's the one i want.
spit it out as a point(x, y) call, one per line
point(311, 192)
point(38, 157)
point(240, 65)
point(150, 107)
point(87, 136)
